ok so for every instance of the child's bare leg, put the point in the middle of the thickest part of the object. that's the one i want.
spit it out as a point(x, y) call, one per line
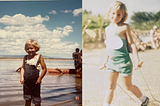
point(132, 88)
point(28, 103)
point(113, 76)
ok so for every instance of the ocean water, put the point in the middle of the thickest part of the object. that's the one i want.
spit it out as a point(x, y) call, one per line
point(56, 89)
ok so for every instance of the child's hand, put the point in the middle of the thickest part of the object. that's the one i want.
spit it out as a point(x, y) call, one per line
point(139, 64)
point(38, 81)
point(103, 66)
point(22, 80)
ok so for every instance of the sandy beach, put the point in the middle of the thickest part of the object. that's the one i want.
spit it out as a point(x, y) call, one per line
point(95, 80)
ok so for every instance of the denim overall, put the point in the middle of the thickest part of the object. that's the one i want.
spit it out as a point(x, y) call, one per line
point(30, 89)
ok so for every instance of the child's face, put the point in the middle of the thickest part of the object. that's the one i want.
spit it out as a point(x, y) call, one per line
point(31, 50)
point(115, 15)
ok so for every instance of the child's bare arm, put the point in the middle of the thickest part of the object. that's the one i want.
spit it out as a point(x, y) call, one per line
point(105, 63)
point(44, 70)
point(73, 56)
point(132, 45)
point(22, 72)
point(107, 56)
point(106, 60)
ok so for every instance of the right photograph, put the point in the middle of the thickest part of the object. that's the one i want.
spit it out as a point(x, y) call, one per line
point(121, 46)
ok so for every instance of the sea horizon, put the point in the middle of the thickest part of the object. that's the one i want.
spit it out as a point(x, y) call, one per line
point(21, 57)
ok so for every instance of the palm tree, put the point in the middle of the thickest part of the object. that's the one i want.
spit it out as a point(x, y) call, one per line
point(94, 23)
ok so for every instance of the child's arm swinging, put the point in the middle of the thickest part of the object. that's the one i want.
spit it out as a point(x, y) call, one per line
point(22, 71)
point(107, 56)
point(133, 47)
point(44, 70)
point(106, 60)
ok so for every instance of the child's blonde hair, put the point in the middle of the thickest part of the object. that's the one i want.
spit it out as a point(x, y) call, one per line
point(118, 5)
point(33, 43)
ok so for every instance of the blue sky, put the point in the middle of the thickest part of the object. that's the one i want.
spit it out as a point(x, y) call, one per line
point(56, 25)
point(100, 6)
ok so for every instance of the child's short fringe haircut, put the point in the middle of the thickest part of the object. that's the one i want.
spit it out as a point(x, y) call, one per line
point(118, 5)
point(33, 43)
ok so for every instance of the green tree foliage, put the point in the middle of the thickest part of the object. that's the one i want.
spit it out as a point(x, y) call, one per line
point(145, 20)
point(141, 17)
point(140, 21)
point(157, 16)
point(94, 23)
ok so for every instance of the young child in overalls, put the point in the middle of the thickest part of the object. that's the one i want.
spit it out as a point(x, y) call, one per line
point(30, 73)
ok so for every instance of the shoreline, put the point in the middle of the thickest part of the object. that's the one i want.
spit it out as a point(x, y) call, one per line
point(22, 59)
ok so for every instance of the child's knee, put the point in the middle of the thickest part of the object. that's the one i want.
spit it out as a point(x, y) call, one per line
point(112, 87)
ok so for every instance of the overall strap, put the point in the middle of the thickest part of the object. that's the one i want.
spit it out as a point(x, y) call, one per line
point(25, 58)
point(117, 28)
point(119, 23)
point(38, 60)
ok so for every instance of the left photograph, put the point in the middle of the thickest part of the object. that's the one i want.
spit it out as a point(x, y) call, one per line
point(41, 53)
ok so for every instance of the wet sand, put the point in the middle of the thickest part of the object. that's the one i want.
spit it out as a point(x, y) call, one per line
point(95, 81)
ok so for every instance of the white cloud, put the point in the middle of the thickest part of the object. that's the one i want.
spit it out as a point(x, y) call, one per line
point(66, 11)
point(26, 28)
point(59, 28)
point(62, 32)
point(52, 12)
point(14, 36)
point(77, 12)
point(20, 20)
point(72, 22)
point(57, 32)
point(2, 34)
point(67, 30)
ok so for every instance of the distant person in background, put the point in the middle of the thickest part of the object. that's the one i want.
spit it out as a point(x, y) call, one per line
point(150, 40)
point(80, 58)
point(30, 73)
point(137, 35)
point(156, 36)
point(152, 35)
point(80, 63)
point(140, 45)
point(81, 55)
point(76, 58)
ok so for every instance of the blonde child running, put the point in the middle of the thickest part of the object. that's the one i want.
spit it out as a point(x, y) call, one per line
point(30, 73)
point(118, 37)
